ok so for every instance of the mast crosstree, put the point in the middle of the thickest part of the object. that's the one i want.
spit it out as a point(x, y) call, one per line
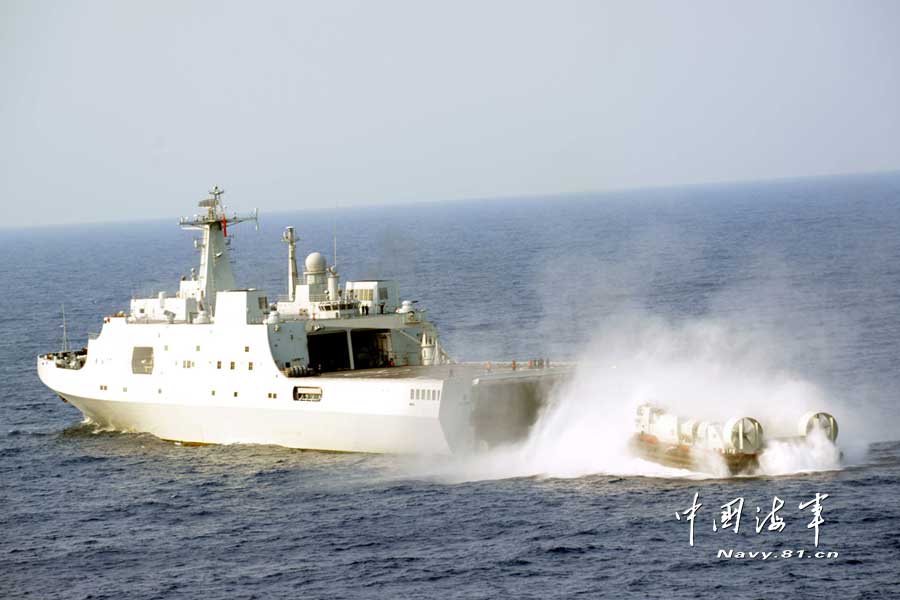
point(215, 269)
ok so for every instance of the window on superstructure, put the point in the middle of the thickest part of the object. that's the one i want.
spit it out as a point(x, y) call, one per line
point(212, 393)
point(382, 294)
point(235, 394)
point(198, 348)
point(142, 360)
point(412, 394)
point(218, 364)
point(246, 348)
point(232, 365)
point(307, 394)
point(249, 366)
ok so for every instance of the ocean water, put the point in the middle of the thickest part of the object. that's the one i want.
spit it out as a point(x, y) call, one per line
point(760, 299)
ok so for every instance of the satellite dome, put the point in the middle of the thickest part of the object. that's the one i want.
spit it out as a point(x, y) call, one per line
point(315, 263)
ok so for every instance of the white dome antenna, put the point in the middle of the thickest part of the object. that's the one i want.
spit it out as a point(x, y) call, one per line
point(315, 263)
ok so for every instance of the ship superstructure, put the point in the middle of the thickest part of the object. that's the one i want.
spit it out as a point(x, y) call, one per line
point(331, 367)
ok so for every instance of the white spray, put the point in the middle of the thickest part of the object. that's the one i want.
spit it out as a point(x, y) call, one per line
point(702, 368)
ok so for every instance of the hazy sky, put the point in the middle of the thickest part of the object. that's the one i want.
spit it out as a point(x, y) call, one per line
point(115, 110)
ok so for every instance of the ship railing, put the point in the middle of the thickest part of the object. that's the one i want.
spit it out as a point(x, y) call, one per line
point(523, 365)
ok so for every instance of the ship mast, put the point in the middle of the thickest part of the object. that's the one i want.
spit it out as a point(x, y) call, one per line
point(291, 241)
point(215, 270)
point(65, 340)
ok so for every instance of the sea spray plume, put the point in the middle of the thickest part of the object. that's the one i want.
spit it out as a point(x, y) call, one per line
point(699, 368)
point(815, 452)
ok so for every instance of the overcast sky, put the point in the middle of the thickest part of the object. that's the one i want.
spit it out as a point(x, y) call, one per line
point(115, 110)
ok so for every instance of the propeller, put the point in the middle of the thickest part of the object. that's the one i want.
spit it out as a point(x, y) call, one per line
point(744, 434)
point(822, 421)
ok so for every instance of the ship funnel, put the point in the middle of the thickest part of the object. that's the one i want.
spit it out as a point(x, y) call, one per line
point(818, 420)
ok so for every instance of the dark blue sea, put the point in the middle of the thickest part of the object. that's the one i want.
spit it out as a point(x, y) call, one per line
point(765, 297)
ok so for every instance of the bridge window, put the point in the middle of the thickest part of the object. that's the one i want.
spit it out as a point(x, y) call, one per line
point(142, 360)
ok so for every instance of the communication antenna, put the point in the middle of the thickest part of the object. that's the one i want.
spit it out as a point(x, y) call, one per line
point(65, 340)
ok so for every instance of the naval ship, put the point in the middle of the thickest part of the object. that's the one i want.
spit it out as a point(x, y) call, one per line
point(350, 368)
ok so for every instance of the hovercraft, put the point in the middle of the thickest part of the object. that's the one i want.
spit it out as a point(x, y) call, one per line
point(699, 445)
